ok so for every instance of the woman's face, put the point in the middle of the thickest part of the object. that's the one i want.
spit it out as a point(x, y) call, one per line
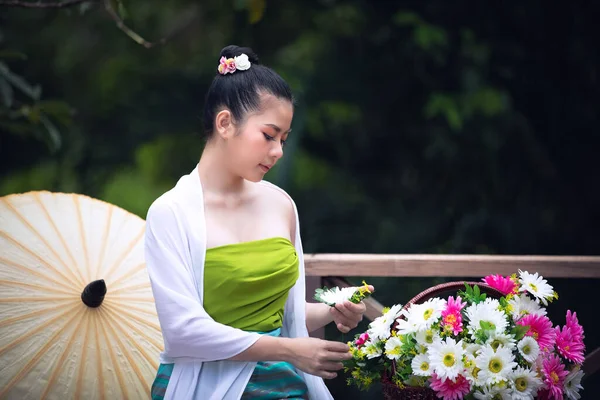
point(258, 142)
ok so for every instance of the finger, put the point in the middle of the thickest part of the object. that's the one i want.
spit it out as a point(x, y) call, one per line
point(337, 347)
point(343, 328)
point(332, 366)
point(327, 375)
point(340, 356)
point(349, 321)
point(344, 311)
point(371, 288)
point(356, 308)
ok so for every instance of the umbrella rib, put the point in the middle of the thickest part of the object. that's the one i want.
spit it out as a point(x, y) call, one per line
point(39, 328)
point(41, 260)
point(126, 252)
point(84, 347)
point(34, 299)
point(99, 356)
point(59, 364)
point(137, 330)
point(131, 288)
point(32, 286)
point(4, 261)
point(104, 240)
point(36, 358)
point(113, 357)
point(127, 310)
point(129, 274)
point(133, 298)
point(37, 313)
point(60, 237)
point(86, 254)
point(112, 323)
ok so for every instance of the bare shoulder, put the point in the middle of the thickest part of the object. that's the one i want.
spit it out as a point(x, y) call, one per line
point(280, 202)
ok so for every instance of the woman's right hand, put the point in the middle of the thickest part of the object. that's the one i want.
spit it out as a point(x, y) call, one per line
point(318, 357)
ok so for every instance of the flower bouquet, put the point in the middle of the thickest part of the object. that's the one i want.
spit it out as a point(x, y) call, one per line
point(492, 340)
point(335, 295)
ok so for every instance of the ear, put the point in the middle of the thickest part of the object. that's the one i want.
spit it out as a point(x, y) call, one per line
point(224, 125)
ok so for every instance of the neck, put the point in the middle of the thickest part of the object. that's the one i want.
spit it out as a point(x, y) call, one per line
point(214, 173)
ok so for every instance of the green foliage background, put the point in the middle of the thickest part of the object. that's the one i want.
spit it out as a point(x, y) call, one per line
point(421, 127)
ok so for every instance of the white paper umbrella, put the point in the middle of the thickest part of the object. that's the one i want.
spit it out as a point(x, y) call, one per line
point(77, 316)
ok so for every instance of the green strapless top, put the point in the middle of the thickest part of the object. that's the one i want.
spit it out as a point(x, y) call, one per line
point(246, 284)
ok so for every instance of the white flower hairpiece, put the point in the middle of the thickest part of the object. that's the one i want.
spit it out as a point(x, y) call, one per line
point(230, 65)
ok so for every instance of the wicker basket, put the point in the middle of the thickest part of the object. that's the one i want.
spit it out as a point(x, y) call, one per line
point(393, 392)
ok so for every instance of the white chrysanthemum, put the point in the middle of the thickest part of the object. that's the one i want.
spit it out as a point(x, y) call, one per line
point(393, 348)
point(446, 358)
point(523, 305)
point(335, 295)
point(501, 339)
point(495, 366)
point(421, 316)
point(573, 384)
point(427, 337)
point(421, 365)
point(487, 311)
point(529, 349)
point(493, 393)
point(371, 350)
point(470, 370)
point(473, 349)
point(379, 329)
point(536, 285)
point(524, 384)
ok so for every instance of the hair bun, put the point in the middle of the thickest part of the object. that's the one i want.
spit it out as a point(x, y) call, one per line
point(234, 51)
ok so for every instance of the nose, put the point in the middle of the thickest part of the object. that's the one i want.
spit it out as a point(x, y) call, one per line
point(276, 151)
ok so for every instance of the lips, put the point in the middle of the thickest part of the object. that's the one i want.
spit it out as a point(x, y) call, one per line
point(265, 168)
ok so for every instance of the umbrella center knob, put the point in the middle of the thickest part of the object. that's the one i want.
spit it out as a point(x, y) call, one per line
point(93, 294)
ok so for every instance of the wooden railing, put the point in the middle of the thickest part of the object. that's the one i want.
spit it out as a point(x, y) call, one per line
point(331, 269)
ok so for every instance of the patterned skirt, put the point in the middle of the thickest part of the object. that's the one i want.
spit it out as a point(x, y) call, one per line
point(269, 381)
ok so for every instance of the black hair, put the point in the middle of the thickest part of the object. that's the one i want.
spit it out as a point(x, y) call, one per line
point(239, 91)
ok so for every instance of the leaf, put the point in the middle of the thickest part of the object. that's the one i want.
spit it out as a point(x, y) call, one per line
point(519, 331)
point(486, 326)
point(407, 18)
point(84, 7)
point(122, 10)
point(256, 10)
point(32, 91)
point(6, 92)
point(53, 133)
point(476, 290)
point(59, 110)
point(12, 55)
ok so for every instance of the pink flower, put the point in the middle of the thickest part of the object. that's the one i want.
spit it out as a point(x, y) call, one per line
point(449, 389)
point(540, 328)
point(362, 339)
point(451, 316)
point(554, 376)
point(226, 65)
point(505, 285)
point(544, 394)
point(573, 325)
point(569, 341)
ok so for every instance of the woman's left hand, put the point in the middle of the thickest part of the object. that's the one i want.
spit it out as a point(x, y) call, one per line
point(347, 315)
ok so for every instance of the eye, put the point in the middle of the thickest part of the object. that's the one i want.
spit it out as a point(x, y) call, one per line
point(268, 137)
point(283, 142)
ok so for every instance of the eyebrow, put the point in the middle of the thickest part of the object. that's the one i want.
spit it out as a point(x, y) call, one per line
point(278, 129)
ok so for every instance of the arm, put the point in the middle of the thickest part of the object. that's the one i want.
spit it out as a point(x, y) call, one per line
point(317, 316)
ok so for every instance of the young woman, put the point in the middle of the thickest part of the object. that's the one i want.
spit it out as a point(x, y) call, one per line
point(225, 258)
